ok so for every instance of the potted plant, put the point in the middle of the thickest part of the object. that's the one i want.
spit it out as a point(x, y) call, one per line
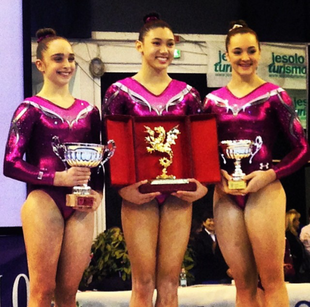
point(109, 268)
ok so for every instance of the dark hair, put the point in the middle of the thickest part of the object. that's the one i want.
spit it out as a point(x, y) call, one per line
point(44, 37)
point(207, 215)
point(152, 21)
point(239, 27)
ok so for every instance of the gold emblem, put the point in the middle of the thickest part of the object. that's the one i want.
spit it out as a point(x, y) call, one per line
point(161, 141)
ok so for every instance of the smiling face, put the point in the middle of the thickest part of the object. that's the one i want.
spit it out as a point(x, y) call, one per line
point(243, 54)
point(157, 48)
point(58, 62)
point(209, 224)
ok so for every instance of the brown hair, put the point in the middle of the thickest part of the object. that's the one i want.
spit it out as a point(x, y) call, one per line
point(152, 21)
point(44, 37)
point(239, 27)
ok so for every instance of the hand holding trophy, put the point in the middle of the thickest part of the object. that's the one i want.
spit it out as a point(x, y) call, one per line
point(239, 149)
point(82, 155)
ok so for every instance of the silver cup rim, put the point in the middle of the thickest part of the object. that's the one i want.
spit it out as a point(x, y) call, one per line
point(227, 142)
point(84, 144)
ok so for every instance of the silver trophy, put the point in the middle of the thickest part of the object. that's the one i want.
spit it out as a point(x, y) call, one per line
point(82, 155)
point(239, 149)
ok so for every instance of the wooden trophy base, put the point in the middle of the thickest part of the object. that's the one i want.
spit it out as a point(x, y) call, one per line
point(236, 185)
point(80, 201)
point(167, 186)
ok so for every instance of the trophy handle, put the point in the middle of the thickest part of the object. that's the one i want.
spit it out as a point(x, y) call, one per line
point(110, 149)
point(56, 147)
point(258, 144)
point(223, 157)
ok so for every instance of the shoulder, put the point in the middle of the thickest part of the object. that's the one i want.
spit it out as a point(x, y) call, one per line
point(123, 83)
point(182, 86)
point(121, 86)
point(277, 94)
point(185, 89)
point(85, 104)
point(219, 96)
point(220, 93)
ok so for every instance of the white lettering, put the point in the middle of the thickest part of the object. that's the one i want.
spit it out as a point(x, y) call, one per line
point(15, 288)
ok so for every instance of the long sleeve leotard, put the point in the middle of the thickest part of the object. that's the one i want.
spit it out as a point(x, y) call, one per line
point(34, 123)
point(129, 97)
point(262, 113)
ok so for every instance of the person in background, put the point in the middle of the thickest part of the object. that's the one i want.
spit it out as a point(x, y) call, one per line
point(305, 235)
point(210, 266)
point(58, 238)
point(289, 271)
point(298, 252)
point(156, 226)
point(250, 108)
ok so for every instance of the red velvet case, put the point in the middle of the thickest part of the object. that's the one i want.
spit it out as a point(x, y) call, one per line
point(195, 154)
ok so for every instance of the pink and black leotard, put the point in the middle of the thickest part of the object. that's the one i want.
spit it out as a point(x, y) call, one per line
point(262, 113)
point(35, 122)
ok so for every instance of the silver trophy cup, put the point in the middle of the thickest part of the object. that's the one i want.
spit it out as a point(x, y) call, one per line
point(82, 155)
point(239, 149)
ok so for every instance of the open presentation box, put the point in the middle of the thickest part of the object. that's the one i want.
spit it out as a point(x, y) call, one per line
point(195, 152)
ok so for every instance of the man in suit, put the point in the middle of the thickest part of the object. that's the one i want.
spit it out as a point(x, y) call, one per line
point(210, 266)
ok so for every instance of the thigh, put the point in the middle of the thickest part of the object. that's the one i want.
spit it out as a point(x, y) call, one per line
point(140, 226)
point(233, 238)
point(265, 219)
point(75, 252)
point(43, 227)
point(174, 230)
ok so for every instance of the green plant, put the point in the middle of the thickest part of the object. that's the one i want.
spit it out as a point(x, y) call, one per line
point(109, 257)
point(188, 263)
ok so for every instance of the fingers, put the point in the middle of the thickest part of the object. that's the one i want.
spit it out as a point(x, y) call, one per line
point(79, 175)
point(191, 196)
point(132, 194)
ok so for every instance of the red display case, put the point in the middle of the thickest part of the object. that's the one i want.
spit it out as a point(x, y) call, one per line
point(195, 152)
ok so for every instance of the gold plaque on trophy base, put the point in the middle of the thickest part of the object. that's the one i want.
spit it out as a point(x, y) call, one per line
point(236, 185)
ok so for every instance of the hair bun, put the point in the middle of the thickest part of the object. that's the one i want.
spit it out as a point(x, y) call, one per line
point(151, 17)
point(44, 33)
point(237, 24)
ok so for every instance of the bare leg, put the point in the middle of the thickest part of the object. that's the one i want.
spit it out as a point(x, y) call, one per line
point(174, 230)
point(74, 257)
point(43, 228)
point(236, 248)
point(140, 226)
point(265, 220)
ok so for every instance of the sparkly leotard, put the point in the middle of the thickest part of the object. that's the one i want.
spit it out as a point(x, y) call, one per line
point(129, 97)
point(262, 113)
point(34, 123)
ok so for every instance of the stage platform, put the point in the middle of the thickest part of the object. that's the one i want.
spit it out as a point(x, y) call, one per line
point(193, 296)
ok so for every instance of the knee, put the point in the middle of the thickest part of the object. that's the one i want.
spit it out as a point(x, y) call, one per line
point(247, 284)
point(42, 290)
point(272, 279)
point(143, 284)
point(167, 284)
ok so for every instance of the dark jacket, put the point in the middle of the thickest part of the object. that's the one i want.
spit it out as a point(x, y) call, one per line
point(210, 266)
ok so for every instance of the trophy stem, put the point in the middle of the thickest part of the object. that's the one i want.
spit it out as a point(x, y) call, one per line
point(238, 174)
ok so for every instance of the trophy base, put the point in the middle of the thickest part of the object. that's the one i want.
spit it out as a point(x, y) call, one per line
point(80, 201)
point(167, 186)
point(236, 184)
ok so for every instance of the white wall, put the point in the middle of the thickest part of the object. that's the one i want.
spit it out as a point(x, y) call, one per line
point(11, 75)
